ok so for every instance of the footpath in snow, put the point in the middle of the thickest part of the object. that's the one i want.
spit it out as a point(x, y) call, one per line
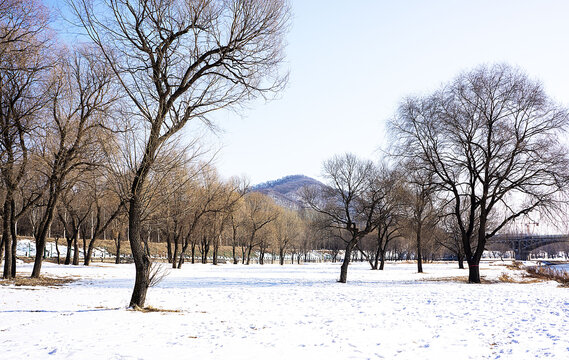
point(288, 312)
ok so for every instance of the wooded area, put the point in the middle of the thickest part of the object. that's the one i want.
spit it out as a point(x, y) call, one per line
point(91, 147)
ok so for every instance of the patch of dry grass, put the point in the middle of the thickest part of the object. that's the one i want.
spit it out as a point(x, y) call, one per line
point(549, 273)
point(41, 281)
point(151, 309)
point(506, 278)
point(461, 279)
point(503, 278)
point(516, 265)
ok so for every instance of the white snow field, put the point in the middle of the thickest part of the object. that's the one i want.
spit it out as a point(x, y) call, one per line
point(288, 312)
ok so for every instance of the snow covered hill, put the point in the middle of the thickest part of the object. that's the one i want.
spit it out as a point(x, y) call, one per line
point(287, 190)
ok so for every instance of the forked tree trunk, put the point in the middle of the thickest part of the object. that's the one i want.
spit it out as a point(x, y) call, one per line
point(375, 264)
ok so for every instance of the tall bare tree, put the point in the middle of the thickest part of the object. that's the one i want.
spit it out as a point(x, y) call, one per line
point(491, 139)
point(350, 202)
point(24, 64)
point(178, 61)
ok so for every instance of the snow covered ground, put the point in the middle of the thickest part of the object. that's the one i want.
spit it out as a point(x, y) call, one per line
point(290, 312)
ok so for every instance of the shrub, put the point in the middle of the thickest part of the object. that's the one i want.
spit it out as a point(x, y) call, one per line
point(549, 273)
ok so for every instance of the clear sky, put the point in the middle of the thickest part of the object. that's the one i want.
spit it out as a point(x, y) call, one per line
point(351, 62)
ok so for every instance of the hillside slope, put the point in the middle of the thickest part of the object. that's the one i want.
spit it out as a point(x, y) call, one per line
point(287, 190)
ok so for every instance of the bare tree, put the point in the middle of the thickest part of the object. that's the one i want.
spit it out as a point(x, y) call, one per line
point(421, 207)
point(178, 61)
point(80, 106)
point(350, 202)
point(258, 211)
point(390, 216)
point(287, 230)
point(105, 207)
point(24, 65)
point(491, 139)
point(207, 196)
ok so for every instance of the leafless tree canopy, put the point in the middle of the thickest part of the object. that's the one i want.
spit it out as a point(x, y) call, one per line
point(491, 138)
point(179, 60)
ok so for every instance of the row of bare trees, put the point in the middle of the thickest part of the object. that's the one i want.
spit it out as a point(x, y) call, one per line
point(144, 70)
point(55, 106)
point(484, 150)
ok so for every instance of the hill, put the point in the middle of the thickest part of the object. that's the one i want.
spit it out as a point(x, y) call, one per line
point(286, 191)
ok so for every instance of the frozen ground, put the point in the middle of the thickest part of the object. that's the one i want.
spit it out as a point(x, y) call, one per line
point(290, 312)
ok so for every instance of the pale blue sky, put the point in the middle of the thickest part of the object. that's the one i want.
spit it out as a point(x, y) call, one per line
point(351, 62)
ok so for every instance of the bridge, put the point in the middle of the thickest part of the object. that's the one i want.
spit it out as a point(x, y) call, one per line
point(523, 244)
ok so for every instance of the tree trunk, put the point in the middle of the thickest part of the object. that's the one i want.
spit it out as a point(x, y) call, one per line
point(346, 262)
point(68, 251)
point(419, 252)
point(118, 255)
point(281, 256)
point(235, 262)
point(175, 253)
point(474, 273)
point(460, 261)
point(44, 226)
point(57, 250)
point(1, 248)
point(14, 234)
point(76, 251)
point(215, 250)
point(262, 256)
point(249, 249)
point(89, 253)
point(375, 264)
point(141, 259)
point(7, 237)
point(169, 249)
